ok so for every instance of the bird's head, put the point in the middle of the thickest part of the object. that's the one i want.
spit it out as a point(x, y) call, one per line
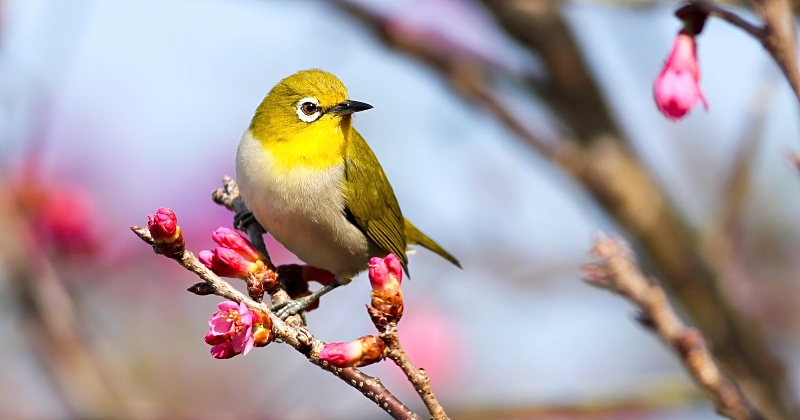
point(308, 105)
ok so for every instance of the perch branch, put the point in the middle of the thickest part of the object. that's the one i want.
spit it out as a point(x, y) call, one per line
point(618, 272)
point(298, 337)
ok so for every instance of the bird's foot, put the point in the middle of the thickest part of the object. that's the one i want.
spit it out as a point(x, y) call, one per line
point(293, 307)
point(243, 219)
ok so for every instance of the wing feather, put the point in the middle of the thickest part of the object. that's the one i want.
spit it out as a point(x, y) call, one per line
point(370, 201)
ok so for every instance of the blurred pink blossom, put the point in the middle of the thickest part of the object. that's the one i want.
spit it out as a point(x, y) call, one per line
point(435, 341)
point(677, 88)
point(66, 221)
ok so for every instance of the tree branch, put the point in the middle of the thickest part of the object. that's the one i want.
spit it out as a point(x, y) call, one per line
point(618, 272)
point(298, 337)
point(418, 377)
point(778, 34)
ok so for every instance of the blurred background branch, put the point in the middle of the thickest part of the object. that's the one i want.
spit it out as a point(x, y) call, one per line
point(595, 153)
point(47, 315)
point(618, 272)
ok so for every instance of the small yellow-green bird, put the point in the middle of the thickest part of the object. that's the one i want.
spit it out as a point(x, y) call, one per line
point(314, 184)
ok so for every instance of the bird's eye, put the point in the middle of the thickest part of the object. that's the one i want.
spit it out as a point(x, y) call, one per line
point(309, 108)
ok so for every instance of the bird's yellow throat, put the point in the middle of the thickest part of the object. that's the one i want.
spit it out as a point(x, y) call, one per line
point(315, 146)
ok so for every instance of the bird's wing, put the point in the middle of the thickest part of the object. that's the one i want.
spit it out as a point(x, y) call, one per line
point(370, 201)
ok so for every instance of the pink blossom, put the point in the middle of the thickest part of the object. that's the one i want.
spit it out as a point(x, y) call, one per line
point(223, 351)
point(385, 274)
point(226, 262)
point(235, 323)
point(677, 88)
point(163, 225)
point(231, 239)
point(214, 339)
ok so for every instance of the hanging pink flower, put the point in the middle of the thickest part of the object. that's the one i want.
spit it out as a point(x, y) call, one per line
point(677, 88)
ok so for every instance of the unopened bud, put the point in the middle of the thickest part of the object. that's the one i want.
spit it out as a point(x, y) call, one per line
point(262, 330)
point(388, 303)
point(677, 89)
point(364, 351)
point(231, 239)
point(385, 274)
point(201, 289)
point(226, 262)
point(166, 234)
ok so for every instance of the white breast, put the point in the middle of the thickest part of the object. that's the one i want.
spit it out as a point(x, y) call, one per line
point(303, 209)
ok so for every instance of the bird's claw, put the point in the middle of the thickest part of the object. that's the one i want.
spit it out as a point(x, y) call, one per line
point(292, 307)
point(243, 219)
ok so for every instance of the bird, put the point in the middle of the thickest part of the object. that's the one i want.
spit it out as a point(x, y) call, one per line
point(313, 183)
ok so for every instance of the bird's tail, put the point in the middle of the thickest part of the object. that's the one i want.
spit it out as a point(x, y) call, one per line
point(415, 237)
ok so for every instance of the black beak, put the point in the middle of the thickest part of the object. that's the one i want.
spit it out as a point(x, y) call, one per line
point(348, 107)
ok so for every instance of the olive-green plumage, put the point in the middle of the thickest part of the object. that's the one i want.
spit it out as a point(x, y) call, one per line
point(313, 182)
point(374, 208)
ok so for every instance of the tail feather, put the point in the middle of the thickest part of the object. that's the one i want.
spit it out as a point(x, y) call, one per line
point(415, 237)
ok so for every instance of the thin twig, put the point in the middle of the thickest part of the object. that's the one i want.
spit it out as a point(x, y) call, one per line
point(777, 34)
point(618, 272)
point(418, 377)
point(296, 336)
point(731, 17)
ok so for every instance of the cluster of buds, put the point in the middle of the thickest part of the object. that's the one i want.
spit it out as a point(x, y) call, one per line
point(386, 307)
point(385, 276)
point(295, 278)
point(235, 329)
point(236, 257)
point(166, 234)
point(677, 88)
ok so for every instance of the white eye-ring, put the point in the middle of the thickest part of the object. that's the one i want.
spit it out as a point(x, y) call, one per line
point(308, 109)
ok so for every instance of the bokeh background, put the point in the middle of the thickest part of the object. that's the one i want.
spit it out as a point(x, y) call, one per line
point(111, 109)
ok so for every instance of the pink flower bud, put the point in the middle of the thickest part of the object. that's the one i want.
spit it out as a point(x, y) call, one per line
point(231, 239)
point(163, 225)
point(364, 351)
point(385, 274)
point(226, 262)
point(677, 88)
